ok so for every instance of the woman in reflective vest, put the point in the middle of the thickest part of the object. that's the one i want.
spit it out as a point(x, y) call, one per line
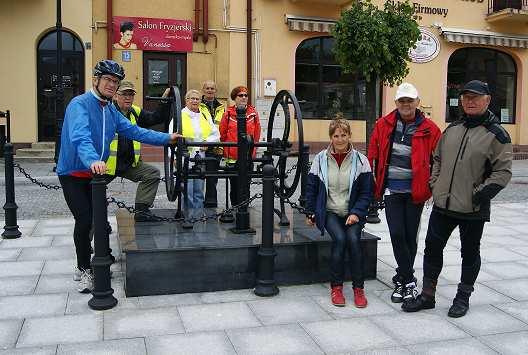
point(197, 126)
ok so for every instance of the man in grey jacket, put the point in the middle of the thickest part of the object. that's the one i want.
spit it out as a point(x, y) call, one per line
point(472, 163)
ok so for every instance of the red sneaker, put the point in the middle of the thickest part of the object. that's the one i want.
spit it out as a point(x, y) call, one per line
point(338, 299)
point(359, 297)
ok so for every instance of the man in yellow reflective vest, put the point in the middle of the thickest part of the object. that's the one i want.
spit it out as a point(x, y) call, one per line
point(125, 160)
point(216, 110)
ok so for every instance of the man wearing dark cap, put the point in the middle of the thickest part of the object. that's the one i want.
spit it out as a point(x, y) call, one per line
point(472, 163)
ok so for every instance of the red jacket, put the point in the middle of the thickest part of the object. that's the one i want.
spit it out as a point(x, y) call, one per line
point(423, 144)
point(229, 133)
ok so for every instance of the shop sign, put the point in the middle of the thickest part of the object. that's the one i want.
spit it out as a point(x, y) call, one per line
point(152, 34)
point(426, 48)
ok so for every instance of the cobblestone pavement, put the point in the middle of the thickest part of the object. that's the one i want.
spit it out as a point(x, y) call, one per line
point(41, 312)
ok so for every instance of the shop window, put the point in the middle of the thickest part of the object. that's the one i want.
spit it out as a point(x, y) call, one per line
point(323, 89)
point(489, 65)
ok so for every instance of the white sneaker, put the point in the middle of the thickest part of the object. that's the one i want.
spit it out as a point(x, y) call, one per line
point(86, 282)
point(77, 274)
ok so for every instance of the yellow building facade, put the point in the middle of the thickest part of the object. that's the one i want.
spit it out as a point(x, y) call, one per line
point(290, 49)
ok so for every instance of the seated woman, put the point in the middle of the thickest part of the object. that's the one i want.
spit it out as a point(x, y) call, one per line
point(197, 126)
point(229, 133)
point(338, 193)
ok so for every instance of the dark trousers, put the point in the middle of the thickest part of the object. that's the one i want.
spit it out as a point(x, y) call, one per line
point(438, 232)
point(403, 218)
point(78, 195)
point(344, 238)
point(210, 182)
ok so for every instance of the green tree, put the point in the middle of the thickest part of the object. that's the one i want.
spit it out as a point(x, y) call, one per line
point(374, 43)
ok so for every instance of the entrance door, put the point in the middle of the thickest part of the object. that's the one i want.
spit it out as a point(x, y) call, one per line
point(161, 70)
point(72, 78)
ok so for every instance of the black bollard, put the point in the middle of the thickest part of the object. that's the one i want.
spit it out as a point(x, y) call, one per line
point(243, 153)
point(266, 255)
point(305, 169)
point(11, 230)
point(102, 294)
point(227, 217)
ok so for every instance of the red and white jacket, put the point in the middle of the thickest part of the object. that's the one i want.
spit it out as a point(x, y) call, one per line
point(229, 133)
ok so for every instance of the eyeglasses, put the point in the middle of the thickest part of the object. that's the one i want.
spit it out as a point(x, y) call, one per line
point(193, 98)
point(126, 94)
point(111, 79)
point(242, 95)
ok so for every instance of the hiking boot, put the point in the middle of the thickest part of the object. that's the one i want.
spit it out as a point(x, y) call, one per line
point(77, 274)
point(143, 213)
point(397, 293)
point(410, 292)
point(338, 299)
point(359, 297)
point(420, 302)
point(86, 282)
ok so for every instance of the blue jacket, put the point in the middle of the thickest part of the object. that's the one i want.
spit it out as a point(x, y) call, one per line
point(360, 187)
point(82, 140)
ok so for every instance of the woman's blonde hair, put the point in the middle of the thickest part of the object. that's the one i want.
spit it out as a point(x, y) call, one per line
point(192, 91)
point(339, 122)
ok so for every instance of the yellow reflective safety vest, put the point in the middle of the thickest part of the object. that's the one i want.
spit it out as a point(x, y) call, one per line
point(217, 114)
point(188, 128)
point(111, 163)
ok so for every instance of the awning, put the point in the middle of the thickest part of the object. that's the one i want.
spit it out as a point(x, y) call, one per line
point(309, 24)
point(461, 35)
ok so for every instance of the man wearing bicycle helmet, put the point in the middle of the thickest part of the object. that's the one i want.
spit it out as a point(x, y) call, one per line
point(90, 124)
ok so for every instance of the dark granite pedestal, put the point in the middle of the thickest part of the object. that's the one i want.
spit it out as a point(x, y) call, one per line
point(163, 258)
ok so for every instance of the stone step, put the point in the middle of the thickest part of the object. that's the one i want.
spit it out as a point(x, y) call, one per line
point(33, 159)
point(43, 145)
point(32, 152)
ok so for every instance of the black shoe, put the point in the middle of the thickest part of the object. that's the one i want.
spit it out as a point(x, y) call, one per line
point(421, 302)
point(410, 292)
point(187, 225)
point(397, 293)
point(459, 308)
point(143, 213)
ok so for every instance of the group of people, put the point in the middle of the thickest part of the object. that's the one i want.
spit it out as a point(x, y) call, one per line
point(102, 134)
point(409, 162)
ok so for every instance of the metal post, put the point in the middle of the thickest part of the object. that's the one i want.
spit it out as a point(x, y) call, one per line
point(59, 98)
point(266, 255)
point(242, 214)
point(102, 294)
point(227, 217)
point(11, 227)
point(8, 126)
point(305, 169)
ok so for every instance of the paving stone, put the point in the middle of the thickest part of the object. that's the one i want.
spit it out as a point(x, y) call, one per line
point(348, 335)
point(57, 267)
point(51, 253)
point(301, 291)
point(32, 306)
point(500, 254)
point(41, 350)
point(516, 289)
point(418, 327)
point(486, 320)
point(61, 330)
point(19, 285)
point(217, 317)
point(522, 250)
point(384, 351)
point(504, 241)
point(168, 300)
point(508, 344)
point(385, 296)
point(20, 268)
point(461, 346)
point(193, 343)
point(9, 254)
point(280, 339)
point(228, 296)
point(451, 273)
point(287, 310)
point(505, 271)
point(9, 330)
point(111, 347)
point(62, 241)
point(78, 304)
point(516, 309)
point(140, 323)
point(44, 231)
point(482, 294)
point(56, 283)
point(56, 222)
point(26, 242)
point(375, 306)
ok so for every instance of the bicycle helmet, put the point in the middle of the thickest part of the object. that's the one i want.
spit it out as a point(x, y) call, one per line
point(109, 67)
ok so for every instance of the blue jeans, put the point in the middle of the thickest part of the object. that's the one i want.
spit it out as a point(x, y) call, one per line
point(344, 238)
point(193, 201)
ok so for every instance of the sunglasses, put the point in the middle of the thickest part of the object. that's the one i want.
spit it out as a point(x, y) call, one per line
point(242, 95)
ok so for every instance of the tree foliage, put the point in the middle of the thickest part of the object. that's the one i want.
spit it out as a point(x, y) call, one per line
point(375, 43)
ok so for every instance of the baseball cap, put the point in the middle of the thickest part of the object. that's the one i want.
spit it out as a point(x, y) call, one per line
point(406, 90)
point(126, 85)
point(476, 87)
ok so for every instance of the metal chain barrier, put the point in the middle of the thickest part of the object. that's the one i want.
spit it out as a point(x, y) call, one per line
point(35, 181)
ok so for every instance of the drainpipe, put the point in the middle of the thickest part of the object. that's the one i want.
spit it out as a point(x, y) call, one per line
point(109, 29)
point(205, 37)
point(249, 61)
point(196, 29)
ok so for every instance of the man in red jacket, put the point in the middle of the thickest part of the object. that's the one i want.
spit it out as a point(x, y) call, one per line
point(400, 152)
